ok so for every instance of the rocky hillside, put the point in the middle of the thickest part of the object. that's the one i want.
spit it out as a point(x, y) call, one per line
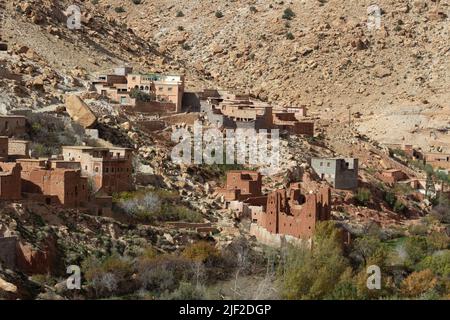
point(318, 53)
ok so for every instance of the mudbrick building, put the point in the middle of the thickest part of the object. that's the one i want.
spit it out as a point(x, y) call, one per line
point(437, 160)
point(10, 182)
point(12, 125)
point(242, 185)
point(340, 173)
point(392, 176)
point(109, 169)
point(163, 88)
point(291, 215)
point(234, 111)
point(56, 183)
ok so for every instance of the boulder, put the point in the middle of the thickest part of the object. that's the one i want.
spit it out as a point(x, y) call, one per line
point(7, 287)
point(80, 112)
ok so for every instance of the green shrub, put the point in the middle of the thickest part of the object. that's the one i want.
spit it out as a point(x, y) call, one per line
point(141, 95)
point(416, 248)
point(363, 196)
point(313, 274)
point(179, 14)
point(253, 9)
point(137, 1)
point(219, 14)
point(438, 263)
point(290, 36)
point(119, 9)
point(288, 14)
point(394, 203)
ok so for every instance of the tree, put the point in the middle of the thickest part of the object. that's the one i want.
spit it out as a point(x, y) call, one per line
point(313, 273)
point(371, 250)
point(416, 248)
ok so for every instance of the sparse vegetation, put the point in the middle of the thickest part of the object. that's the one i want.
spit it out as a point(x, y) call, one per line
point(219, 14)
point(155, 207)
point(119, 9)
point(305, 274)
point(363, 196)
point(288, 14)
point(179, 14)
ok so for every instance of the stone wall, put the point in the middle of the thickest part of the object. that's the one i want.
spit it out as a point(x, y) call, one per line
point(10, 182)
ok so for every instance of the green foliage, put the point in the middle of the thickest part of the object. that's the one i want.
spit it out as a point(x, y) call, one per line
point(363, 196)
point(137, 1)
point(219, 14)
point(94, 2)
point(179, 14)
point(416, 248)
point(180, 28)
point(288, 14)
point(371, 250)
point(393, 202)
point(49, 133)
point(141, 95)
point(313, 274)
point(290, 36)
point(119, 9)
point(438, 263)
point(253, 9)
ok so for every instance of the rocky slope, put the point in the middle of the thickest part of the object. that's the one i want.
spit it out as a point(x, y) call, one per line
point(325, 56)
